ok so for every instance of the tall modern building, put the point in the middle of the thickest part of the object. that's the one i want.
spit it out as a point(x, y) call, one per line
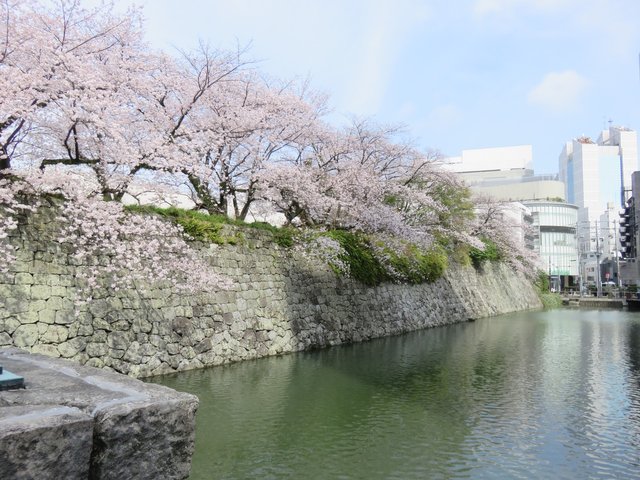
point(598, 172)
point(597, 177)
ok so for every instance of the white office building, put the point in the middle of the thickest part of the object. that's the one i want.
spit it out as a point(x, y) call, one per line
point(596, 173)
point(505, 173)
point(597, 177)
point(498, 162)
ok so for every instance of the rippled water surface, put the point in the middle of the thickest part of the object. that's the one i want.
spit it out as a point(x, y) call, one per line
point(533, 395)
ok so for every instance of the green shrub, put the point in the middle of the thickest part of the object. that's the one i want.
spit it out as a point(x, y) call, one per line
point(418, 266)
point(202, 229)
point(548, 299)
point(542, 282)
point(490, 253)
point(410, 264)
point(210, 228)
point(363, 264)
point(461, 254)
point(551, 300)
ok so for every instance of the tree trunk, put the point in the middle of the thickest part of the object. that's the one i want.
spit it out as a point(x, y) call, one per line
point(5, 161)
point(204, 196)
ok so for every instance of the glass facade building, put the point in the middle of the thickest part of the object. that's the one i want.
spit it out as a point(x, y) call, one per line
point(555, 237)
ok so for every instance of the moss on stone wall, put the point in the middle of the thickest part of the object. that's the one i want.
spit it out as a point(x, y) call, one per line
point(370, 260)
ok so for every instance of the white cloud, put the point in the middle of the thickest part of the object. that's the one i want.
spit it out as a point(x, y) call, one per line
point(559, 91)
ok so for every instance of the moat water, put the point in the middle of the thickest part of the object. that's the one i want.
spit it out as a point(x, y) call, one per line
point(552, 394)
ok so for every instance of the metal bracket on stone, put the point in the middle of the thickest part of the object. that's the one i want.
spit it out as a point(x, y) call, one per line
point(10, 381)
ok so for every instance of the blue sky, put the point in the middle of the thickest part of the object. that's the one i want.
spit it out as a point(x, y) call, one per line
point(459, 74)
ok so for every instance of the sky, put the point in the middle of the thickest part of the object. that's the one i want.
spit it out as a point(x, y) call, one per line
point(457, 74)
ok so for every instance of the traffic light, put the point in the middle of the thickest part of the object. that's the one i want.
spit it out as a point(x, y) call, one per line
point(627, 230)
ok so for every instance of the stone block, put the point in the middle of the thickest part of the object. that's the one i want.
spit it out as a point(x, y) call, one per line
point(54, 334)
point(114, 354)
point(72, 347)
point(48, 350)
point(25, 335)
point(119, 340)
point(141, 324)
point(40, 292)
point(187, 353)
point(94, 349)
point(157, 341)
point(183, 326)
point(100, 324)
point(38, 306)
point(133, 353)
point(65, 280)
point(264, 324)
point(16, 304)
point(59, 291)
point(121, 325)
point(95, 362)
point(59, 303)
point(99, 336)
point(45, 441)
point(132, 302)
point(9, 325)
point(203, 346)
point(23, 279)
point(99, 308)
point(27, 317)
point(47, 316)
point(85, 330)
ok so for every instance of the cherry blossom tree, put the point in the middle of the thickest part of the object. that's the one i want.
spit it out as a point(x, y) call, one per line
point(365, 180)
point(75, 102)
point(89, 113)
point(253, 123)
point(55, 61)
point(504, 224)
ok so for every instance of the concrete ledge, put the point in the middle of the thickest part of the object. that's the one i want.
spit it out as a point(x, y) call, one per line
point(589, 302)
point(76, 422)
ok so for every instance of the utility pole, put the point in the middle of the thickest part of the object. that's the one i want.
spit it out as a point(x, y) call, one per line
point(598, 279)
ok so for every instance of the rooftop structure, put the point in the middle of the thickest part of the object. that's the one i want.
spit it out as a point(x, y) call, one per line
point(505, 173)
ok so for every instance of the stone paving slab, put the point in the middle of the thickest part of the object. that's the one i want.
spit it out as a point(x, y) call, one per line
point(72, 421)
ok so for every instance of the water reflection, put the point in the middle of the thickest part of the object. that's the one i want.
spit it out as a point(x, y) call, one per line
point(535, 395)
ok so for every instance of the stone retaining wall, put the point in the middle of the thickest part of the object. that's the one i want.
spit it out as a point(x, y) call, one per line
point(280, 302)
